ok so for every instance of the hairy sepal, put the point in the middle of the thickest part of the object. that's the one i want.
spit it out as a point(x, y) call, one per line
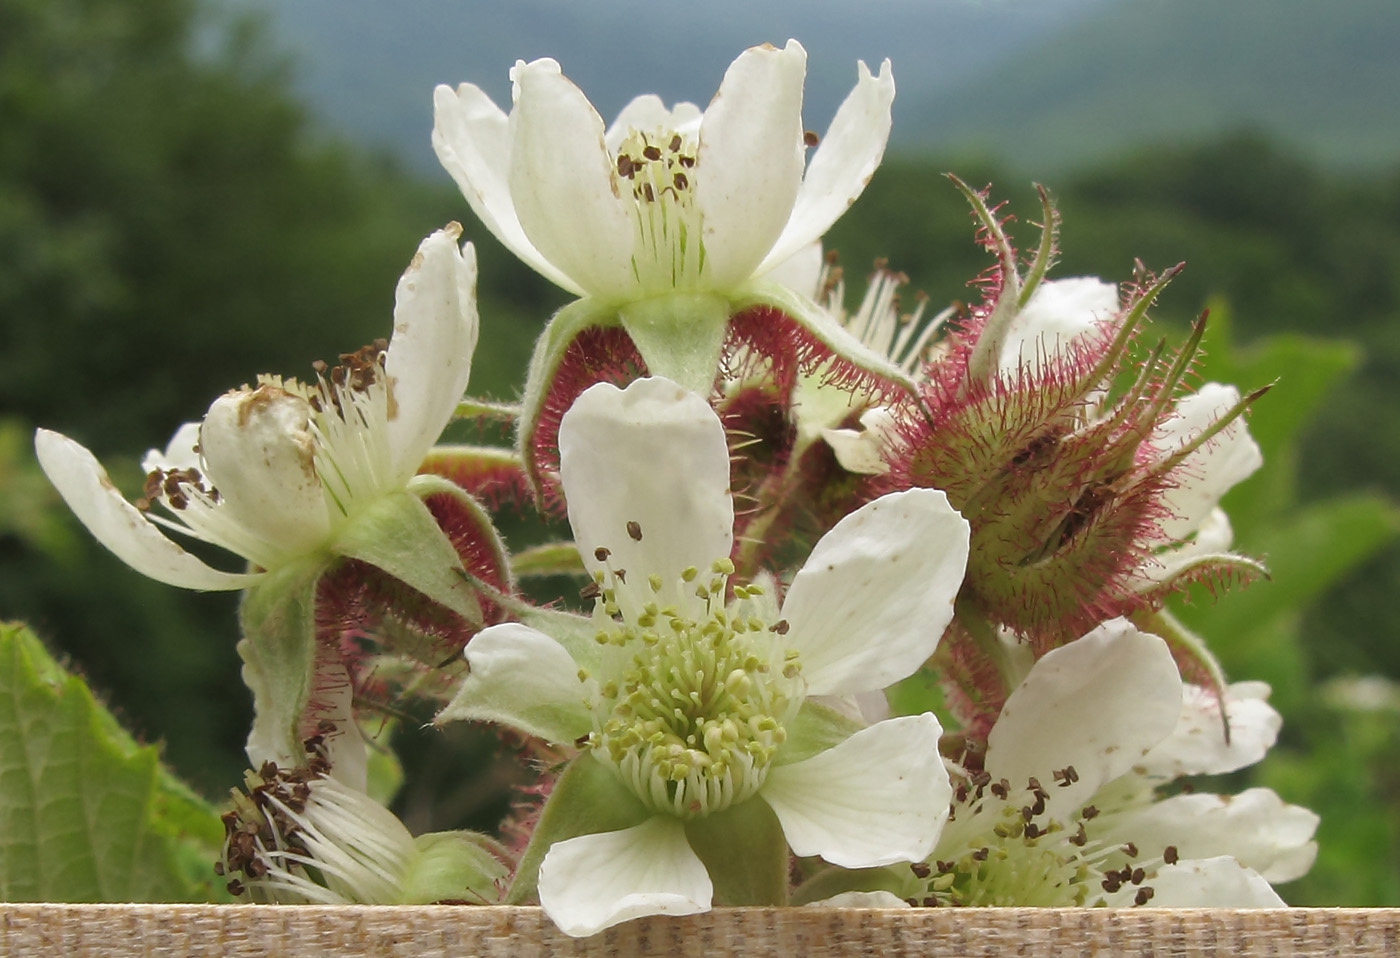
point(278, 620)
point(583, 344)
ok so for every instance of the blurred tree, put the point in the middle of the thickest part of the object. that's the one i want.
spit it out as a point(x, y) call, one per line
point(170, 226)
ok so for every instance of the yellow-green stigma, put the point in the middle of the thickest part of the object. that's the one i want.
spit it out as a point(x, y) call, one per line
point(691, 703)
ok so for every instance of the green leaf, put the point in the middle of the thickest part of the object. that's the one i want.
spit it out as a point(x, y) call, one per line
point(87, 814)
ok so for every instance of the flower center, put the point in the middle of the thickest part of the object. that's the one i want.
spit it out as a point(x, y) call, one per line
point(658, 169)
point(692, 709)
point(1019, 856)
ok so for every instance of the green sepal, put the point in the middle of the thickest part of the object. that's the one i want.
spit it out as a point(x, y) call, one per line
point(680, 336)
point(587, 798)
point(745, 852)
point(278, 620)
point(399, 535)
point(485, 409)
point(566, 326)
point(550, 558)
point(819, 325)
point(454, 867)
point(831, 881)
point(87, 814)
point(813, 730)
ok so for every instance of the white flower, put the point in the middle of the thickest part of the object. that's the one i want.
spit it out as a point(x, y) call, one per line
point(312, 834)
point(1064, 812)
point(696, 707)
point(662, 200)
point(284, 471)
point(665, 221)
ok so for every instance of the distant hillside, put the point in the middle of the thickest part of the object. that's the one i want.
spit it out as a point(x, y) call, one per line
point(1323, 76)
point(367, 67)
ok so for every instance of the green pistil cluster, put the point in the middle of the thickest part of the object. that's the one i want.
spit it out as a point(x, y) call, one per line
point(1017, 864)
point(1020, 856)
point(691, 709)
point(658, 168)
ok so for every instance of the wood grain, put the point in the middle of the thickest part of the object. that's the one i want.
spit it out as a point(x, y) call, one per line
point(245, 931)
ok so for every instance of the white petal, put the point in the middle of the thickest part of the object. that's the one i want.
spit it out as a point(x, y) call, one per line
point(259, 452)
point(1255, 827)
point(843, 163)
point(1059, 312)
point(648, 114)
point(877, 798)
point(597, 881)
point(1198, 747)
point(861, 899)
point(522, 678)
point(863, 451)
point(1209, 472)
point(871, 603)
point(801, 272)
point(430, 355)
point(1213, 537)
point(562, 182)
point(1205, 883)
point(180, 453)
point(749, 165)
point(471, 136)
point(118, 525)
point(1098, 704)
point(651, 460)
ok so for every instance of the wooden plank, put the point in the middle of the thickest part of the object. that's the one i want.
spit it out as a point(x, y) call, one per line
point(252, 931)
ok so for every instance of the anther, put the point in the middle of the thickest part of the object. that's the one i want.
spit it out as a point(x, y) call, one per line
point(634, 529)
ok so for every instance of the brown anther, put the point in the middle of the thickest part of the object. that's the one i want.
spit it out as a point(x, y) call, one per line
point(920, 869)
point(218, 868)
point(621, 575)
point(1111, 883)
point(1137, 876)
point(651, 152)
point(634, 529)
point(601, 554)
point(930, 902)
point(680, 181)
point(981, 854)
point(1143, 896)
point(582, 740)
point(1089, 812)
point(648, 193)
point(687, 161)
point(780, 627)
point(1080, 837)
point(1170, 855)
point(235, 887)
point(1130, 850)
point(675, 144)
point(590, 592)
point(810, 139)
point(626, 166)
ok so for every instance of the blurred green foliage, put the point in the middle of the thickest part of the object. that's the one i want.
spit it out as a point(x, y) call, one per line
point(173, 224)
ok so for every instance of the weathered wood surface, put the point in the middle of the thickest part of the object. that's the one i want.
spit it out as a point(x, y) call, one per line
point(236, 931)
